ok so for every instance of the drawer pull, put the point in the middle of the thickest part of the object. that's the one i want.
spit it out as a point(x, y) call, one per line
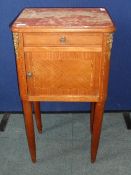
point(29, 74)
point(63, 39)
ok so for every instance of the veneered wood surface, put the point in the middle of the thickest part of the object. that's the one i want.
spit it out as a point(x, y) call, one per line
point(65, 74)
point(55, 39)
point(63, 54)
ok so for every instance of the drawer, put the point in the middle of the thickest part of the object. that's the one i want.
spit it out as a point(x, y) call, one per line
point(61, 39)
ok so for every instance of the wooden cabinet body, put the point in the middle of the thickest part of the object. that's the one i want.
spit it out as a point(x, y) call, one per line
point(63, 54)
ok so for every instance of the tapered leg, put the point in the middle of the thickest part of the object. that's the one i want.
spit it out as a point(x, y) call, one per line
point(98, 117)
point(38, 116)
point(92, 116)
point(27, 108)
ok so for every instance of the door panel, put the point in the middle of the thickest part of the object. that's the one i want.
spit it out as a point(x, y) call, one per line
point(63, 73)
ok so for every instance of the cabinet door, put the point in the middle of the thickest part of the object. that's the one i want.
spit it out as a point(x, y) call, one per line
point(63, 76)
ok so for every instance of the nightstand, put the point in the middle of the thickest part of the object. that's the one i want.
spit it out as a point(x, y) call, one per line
point(63, 54)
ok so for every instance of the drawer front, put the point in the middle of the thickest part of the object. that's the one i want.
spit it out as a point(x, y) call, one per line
point(61, 39)
point(62, 73)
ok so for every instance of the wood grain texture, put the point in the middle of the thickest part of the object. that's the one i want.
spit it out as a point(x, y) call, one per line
point(105, 66)
point(20, 63)
point(63, 54)
point(63, 73)
point(55, 39)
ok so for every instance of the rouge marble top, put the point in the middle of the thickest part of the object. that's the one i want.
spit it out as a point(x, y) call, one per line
point(63, 18)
